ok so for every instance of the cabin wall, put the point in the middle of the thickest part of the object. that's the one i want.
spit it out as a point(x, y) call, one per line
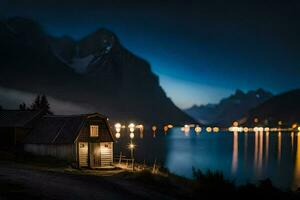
point(95, 151)
point(83, 154)
point(106, 153)
point(61, 151)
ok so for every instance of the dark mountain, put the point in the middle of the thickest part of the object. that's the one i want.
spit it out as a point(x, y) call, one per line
point(96, 71)
point(283, 107)
point(229, 109)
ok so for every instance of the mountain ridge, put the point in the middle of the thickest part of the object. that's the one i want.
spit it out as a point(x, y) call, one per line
point(230, 108)
point(114, 81)
point(283, 107)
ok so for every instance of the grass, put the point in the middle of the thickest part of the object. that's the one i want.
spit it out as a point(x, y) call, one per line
point(169, 184)
point(207, 185)
point(27, 158)
point(204, 185)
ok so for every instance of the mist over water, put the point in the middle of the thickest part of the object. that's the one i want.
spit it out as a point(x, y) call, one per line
point(11, 99)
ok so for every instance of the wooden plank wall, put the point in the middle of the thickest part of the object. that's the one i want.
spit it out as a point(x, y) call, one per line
point(83, 154)
point(106, 153)
point(61, 151)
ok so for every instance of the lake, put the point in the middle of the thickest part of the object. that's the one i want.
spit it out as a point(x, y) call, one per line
point(243, 157)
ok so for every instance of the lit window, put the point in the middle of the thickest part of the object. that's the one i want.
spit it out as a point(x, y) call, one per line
point(94, 131)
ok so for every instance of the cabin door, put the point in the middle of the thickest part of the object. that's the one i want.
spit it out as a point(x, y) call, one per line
point(106, 154)
point(95, 153)
point(83, 154)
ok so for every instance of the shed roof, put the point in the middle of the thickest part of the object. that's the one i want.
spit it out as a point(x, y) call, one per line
point(18, 118)
point(59, 129)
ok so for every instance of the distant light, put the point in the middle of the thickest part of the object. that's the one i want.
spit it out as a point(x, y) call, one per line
point(208, 129)
point(198, 129)
point(139, 126)
point(154, 131)
point(299, 128)
point(235, 129)
point(267, 129)
point(255, 120)
point(131, 135)
point(235, 123)
point(118, 135)
point(186, 128)
point(118, 127)
point(166, 129)
point(131, 125)
point(216, 129)
point(260, 129)
point(154, 128)
point(170, 126)
point(255, 129)
point(246, 129)
point(131, 146)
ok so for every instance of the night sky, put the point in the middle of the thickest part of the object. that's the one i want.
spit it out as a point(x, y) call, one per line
point(202, 51)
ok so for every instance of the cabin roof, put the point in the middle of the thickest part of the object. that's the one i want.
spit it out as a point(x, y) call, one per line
point(18, 118)
point(61, 129)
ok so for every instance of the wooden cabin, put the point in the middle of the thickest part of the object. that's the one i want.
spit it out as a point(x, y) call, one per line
point(82, 139)
point(15, 125)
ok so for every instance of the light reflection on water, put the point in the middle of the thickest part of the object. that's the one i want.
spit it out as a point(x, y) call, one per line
point(243, 157)
point(296, 182)
point(235, 152)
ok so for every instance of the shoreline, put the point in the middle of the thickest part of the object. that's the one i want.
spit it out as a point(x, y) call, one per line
point(162, 184)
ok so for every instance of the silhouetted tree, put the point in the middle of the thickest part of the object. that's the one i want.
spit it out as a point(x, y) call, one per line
point(41, 103)
point(45, 104)
point(36, 105)
point(23, 106)
point(212, 181)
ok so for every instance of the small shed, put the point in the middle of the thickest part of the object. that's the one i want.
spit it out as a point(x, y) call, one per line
point(15, 125)
point(82, 139)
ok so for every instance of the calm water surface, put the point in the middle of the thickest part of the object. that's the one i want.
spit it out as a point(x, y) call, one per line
point(243, 157)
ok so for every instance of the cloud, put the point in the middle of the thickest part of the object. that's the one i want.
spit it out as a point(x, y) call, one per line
point(11, 98)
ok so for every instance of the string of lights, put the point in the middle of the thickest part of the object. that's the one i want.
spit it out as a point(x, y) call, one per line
point(197, 129)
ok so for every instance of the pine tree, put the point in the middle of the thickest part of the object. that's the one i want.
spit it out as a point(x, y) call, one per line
point(36, 104)
point(41, 103)
point(44, 104)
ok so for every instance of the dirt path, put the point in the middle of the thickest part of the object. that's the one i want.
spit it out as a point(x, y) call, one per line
point(55, 185)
